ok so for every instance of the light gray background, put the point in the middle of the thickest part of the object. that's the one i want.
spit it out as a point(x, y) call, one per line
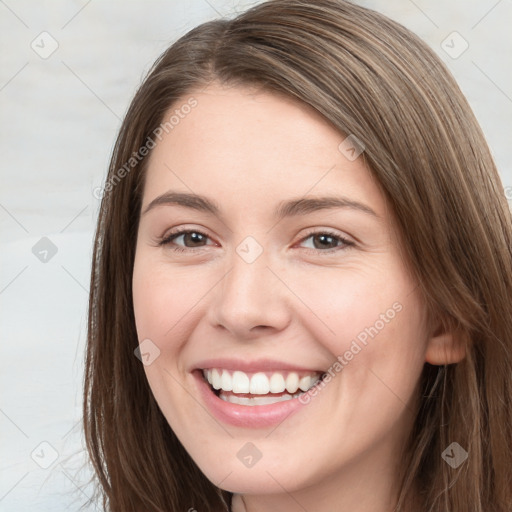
point(59, 119)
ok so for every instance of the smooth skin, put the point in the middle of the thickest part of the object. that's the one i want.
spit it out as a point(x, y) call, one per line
point(302, 301)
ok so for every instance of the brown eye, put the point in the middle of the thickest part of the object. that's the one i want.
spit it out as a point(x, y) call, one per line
point(186, 239)
point(326, 242)
point(192, 239)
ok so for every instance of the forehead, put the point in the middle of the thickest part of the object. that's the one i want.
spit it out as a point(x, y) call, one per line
point(239, 143)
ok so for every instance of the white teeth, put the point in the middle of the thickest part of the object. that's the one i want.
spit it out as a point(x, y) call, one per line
point(308, 382)
point(259, 383)
point(292, 382)
point(240, 382)
point(305, 383)
point(277, 383)
point(259, 400)
point(216, 379)
point(226, 381)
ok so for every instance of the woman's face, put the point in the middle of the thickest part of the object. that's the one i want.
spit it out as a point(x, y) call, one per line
point(288, 269)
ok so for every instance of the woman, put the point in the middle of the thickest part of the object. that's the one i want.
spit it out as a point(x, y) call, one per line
point(302, 275)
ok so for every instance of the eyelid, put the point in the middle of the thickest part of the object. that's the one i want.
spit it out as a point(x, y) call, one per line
point(177, 232)
point(345, 243)
point(327, 231)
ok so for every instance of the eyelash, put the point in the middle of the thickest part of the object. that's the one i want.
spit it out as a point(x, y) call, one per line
point(345, 243)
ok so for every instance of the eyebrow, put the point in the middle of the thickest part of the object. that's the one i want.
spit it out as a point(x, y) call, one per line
point(291, 208)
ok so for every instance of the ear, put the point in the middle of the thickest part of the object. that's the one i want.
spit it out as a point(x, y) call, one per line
point(445, 346)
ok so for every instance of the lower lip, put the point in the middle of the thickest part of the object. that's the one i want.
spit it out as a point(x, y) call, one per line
point(248, 416)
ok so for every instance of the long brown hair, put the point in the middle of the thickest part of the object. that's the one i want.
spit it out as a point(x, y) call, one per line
point(369, 77)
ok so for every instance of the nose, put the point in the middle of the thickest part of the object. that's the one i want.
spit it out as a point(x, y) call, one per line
point(251, 300)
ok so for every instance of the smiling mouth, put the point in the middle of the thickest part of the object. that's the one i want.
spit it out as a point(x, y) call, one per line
point(259, 388)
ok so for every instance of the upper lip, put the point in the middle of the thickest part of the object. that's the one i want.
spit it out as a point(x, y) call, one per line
point(257, 365)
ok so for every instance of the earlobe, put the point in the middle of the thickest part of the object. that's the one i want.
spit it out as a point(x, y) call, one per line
point(445, 348)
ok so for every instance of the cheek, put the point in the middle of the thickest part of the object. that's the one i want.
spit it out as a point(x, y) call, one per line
point(165, 302)
point(372, 324)
point(370, 305)
point(165, 309)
